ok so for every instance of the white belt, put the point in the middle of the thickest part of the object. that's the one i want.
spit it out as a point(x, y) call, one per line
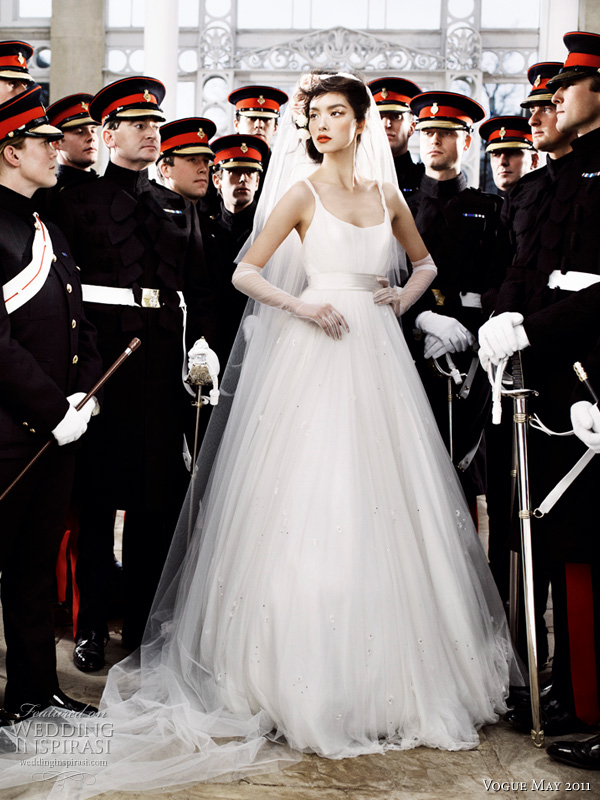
point(470, 299)
point(118, 296)
point(344, 281)
point(571, 281)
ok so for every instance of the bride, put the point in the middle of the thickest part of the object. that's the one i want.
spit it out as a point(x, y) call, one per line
point(334, 597)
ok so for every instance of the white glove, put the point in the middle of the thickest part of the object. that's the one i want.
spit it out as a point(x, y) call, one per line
point(90, 409)
point(586, 424)
point(501, 337)
point(72, 425)
point(443, 334)
point(247, 279)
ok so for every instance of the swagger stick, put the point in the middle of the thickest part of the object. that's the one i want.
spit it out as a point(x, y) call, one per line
point(133, 345)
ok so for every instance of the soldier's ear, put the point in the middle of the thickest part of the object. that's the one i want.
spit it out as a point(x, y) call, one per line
point(108, 138)
point(468, 140)
point(11, 155)
point(535, 160)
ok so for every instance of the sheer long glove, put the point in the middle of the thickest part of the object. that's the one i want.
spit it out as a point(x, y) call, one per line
point(402, 298)
point(247, 279)
point(586, 424)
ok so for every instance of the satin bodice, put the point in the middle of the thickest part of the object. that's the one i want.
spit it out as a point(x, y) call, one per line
point(334, 246)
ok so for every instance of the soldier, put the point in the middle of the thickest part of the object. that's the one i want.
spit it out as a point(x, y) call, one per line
point(459, 226)
point(510, 145)
point(548, 309)
point(257, 109)
point(186, 157)
point(78, 149)
point(236, 176)
point(393, 96)
point(14, 75)
point(140, 251)
point(48, 361)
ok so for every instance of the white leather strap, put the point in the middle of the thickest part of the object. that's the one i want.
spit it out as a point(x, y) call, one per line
point(571, 281)
point(20, 289)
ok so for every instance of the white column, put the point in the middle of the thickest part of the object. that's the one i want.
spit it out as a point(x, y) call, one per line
point(557, 18)
point(161, 33)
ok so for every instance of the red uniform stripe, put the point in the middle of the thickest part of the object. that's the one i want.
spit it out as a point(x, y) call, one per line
point(580, 620)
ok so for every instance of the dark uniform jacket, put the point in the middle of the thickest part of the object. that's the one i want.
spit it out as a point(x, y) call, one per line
point(47, 346)
point(459, 226)
point(562, 327)
point(409, 174)
point(128, 231)
point(227, 234)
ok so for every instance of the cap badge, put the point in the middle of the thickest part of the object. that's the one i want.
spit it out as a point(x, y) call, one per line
point(384, 93)
point(537, 81)
point(20, 58)
point(85, 106)
point(201, 134)
point(434, 109)
point(244, 147)
point(502, 132)
point(261, 100)
point(147, 96)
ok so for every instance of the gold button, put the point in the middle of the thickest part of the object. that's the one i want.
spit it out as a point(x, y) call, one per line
point(75, 359)
point(69, 288)
point(74, 323)
point(54, 259)
point(26, 424)
point(32, 430)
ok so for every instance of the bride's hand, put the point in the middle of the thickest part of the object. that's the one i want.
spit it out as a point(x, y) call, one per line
point(388, 295)
point(326, 316)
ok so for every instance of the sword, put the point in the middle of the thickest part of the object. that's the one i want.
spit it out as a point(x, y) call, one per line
point(133, 345)
point(520, 396)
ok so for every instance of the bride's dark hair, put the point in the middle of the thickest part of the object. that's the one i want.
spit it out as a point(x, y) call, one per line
point(320, 83)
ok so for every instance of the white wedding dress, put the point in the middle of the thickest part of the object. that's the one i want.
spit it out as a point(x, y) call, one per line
point(338, 598)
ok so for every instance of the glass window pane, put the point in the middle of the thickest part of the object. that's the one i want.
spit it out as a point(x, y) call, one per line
point(138, 13)
point(119, 13)
point(510, 14)
point(330, 13)
point(188, 13)
point(186, 99)
point(35, 8)
point(408, 15)
point(264, 15)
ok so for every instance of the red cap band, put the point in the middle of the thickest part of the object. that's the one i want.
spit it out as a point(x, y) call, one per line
point(444, 111)
point(13, 123)
point(508, 133)
point(13, 61)
point(237, 152)
point(257, 103)
point(183, 139)
point(146, 97)
point(72, 111)
point(582, 60)
point(390, 96)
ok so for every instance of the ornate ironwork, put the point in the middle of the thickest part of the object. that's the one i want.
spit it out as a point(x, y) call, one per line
point(463, 49)
point(215, 49)
point(338, 47)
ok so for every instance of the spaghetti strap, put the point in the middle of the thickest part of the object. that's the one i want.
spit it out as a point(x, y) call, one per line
point(383, 202)
point(312, 188)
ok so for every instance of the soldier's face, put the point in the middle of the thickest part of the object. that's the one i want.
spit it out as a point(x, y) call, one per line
point(237, 187)
point(79, 147)
point(442, 148)
point(188, 176)
point(546, 136)
point(37, 164)
point(264, 127)
point(134, 144)
point(509, 165)
point(11, 87)
point(577, 107)
point(399, 127)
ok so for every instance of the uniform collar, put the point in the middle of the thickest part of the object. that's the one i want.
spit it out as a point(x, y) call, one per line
point(17, 203)
point(132, 180)
point(432, 188)
point(588, 142)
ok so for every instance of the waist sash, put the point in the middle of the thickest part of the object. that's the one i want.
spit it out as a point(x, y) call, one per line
point(24, 286)
point(344, 281)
